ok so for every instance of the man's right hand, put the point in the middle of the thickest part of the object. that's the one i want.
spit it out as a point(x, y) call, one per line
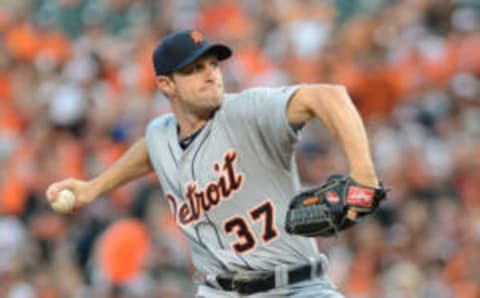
point(84, 191)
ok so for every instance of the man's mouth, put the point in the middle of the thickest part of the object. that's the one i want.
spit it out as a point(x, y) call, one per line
point(211, 86)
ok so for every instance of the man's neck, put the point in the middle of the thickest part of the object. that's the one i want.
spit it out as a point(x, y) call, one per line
point(190, 123)
point(186, 128)
point(184, 142)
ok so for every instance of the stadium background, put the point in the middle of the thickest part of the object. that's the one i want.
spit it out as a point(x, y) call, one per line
point(77, 87)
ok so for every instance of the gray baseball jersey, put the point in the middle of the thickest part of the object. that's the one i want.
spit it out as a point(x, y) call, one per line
point(230, 188)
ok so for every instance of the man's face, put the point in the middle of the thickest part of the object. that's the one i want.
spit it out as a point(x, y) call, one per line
point(199, 86)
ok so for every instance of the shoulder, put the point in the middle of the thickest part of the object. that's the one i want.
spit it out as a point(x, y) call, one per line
point(260, 93)
point(239, 102)
point(161, 122)
point(258, 99)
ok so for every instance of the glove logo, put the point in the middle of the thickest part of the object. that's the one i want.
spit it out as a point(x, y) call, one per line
point(359, 196)
point(332, 197)
point(342, 202)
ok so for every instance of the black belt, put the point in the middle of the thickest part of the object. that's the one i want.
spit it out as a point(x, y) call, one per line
point(261, 281)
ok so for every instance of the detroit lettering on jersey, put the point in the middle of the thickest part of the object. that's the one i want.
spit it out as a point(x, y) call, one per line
point(200, 200)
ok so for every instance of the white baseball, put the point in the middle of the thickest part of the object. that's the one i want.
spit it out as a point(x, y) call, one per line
point(64, 202)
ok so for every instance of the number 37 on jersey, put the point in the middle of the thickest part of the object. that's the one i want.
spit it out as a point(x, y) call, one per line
point(200, 201)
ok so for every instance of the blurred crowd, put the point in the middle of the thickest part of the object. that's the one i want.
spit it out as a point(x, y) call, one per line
point(77, 88)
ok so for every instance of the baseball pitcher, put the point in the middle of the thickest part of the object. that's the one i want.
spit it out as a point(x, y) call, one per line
point(225, 163)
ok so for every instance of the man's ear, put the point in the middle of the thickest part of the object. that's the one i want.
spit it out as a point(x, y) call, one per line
point(166, 85)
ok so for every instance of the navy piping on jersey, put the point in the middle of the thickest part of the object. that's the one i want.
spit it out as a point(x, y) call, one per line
point(194, 177)
point(185, 142)
point(176, 167)
point(173, 155)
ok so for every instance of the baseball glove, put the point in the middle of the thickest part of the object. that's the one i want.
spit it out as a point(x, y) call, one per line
point(335, 206)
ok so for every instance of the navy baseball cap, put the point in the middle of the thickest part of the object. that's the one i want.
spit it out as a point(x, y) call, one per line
point(179, 49)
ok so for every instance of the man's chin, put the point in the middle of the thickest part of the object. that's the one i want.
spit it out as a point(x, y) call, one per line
point(215, 102)
point(214, 108)
point(209, 111)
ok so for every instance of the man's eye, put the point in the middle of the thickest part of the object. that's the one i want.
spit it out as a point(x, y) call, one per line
point(188, 70)
point(198, 68)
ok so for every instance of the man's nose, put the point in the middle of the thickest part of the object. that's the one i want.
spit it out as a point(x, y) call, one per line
point(209, 72)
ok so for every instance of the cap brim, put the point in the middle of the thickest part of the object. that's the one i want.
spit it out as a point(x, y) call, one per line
point(220, 51)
